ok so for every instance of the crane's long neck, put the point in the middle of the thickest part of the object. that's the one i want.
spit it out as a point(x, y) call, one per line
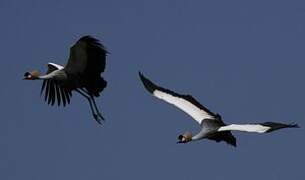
point(199, 136)
point(57, 74)
point(47, 76)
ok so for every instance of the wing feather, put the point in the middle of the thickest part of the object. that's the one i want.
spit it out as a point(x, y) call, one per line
point(186, 103)
point(51, 88)
point(258, 127)
point(63, 95)
point(52, 93)
point(43, 86)
point(87, 56)
point(67, 96)
point(58, 94)
point(47, 90)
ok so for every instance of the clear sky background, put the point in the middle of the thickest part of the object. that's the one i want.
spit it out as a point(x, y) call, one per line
point(242, 59)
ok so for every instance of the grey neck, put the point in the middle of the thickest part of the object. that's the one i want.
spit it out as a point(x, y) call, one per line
point(57, 74)
point(199, 136)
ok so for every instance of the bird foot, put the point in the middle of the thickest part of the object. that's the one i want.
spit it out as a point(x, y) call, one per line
point(100, 115)
point(98, 118)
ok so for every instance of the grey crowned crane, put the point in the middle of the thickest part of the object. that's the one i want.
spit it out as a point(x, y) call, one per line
point(82, 74)
point(212, 126)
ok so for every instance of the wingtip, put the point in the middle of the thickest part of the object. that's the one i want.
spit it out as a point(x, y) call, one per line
point(141, 75)
point(150, 86)
point(94, 41)
point(294, 125)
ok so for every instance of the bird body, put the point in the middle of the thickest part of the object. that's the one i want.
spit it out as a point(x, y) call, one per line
point(86, 62)
point(212, 126)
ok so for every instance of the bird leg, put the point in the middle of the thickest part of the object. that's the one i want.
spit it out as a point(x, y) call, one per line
point(96, 109)
point(94, 103)
point(96, 116)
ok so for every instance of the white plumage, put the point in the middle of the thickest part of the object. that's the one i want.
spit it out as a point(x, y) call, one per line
point(245, 127)
point(57, 66)
point(189, 108)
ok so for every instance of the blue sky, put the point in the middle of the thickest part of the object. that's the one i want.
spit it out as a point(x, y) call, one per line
point(242, 59)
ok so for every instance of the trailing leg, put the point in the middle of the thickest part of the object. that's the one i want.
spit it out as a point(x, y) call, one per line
point(95, 115)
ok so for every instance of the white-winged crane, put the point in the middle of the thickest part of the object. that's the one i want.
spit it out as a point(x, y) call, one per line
point(212, 126)
point(82, 74)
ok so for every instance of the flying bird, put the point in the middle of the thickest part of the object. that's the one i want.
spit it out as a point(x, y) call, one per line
point(81, 74)
point(212, 126)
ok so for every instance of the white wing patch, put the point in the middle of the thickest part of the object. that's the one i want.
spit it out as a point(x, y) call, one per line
point(245, 127)
point(186, 106)
point(57, 66)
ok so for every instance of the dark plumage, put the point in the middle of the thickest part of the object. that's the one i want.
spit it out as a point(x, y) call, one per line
point(275, 126)
point(87, 61)
point(82, 74)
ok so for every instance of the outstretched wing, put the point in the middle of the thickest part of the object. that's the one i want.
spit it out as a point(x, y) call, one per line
point(258, 128)
point(87, 57)
point(53, 90)
point(186, 103)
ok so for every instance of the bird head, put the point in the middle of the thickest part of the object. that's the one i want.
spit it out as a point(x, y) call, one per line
point(32, 75)
point(184, 138)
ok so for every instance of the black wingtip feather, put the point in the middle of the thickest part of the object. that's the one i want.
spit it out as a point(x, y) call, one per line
point(58, 94)
point(51, 95)
point(294, 125)
point(276, 126)
point(63, 96)
point(95, 42)
point(47, 91)
point(42, 87)
point(150, 86)
point(67, 94)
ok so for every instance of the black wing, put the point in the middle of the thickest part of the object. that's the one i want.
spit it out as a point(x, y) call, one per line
point(53, 90)
point(86, 62)
point(87, 56)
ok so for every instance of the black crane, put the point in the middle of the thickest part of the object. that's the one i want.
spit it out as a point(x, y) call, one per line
point(82, 74)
